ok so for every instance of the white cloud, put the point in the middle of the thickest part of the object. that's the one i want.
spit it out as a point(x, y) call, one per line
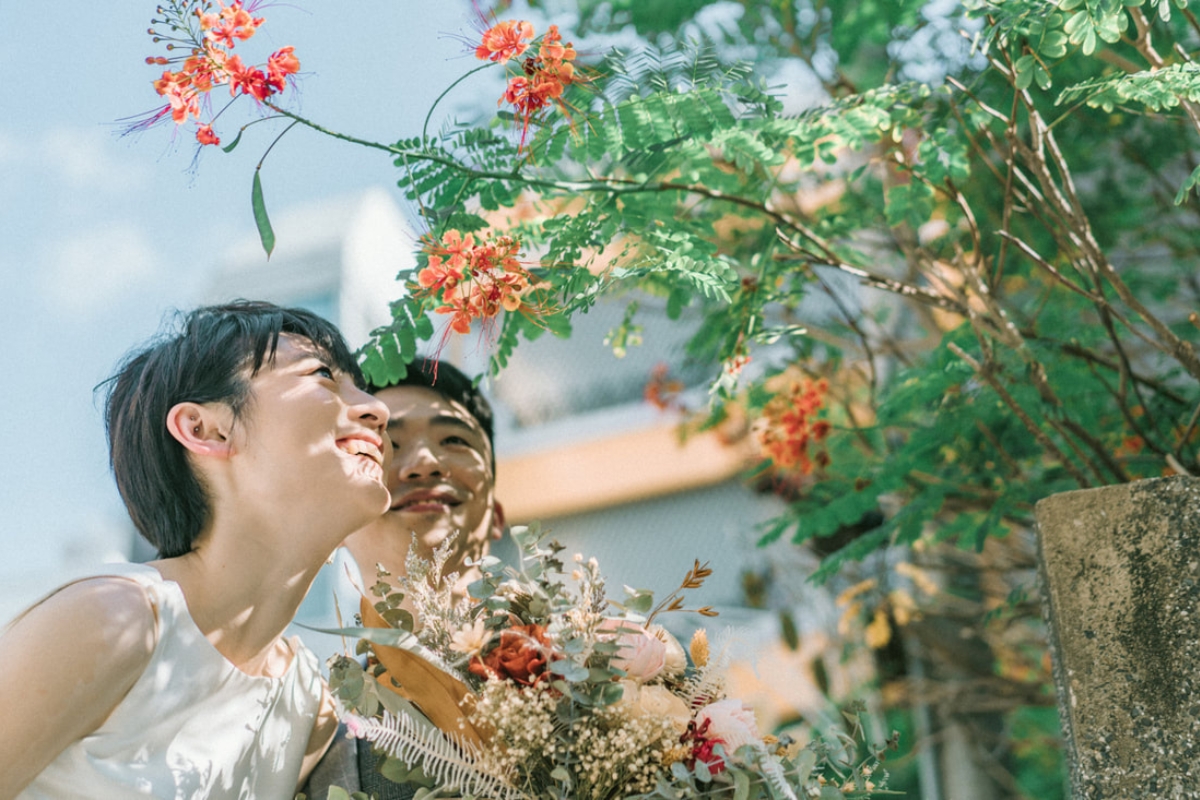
point(91, 270)
point(12, 150)
point(81, 159)
point(89, 159)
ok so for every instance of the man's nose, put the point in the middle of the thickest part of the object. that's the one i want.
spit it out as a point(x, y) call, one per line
point(417, 461)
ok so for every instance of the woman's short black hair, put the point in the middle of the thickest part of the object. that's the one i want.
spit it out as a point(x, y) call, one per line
point(208, 355)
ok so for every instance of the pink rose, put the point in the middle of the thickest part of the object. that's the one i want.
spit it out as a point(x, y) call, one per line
point(641, 656)
point(730, 722)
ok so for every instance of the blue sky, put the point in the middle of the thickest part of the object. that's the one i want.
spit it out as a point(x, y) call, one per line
point(101, 236)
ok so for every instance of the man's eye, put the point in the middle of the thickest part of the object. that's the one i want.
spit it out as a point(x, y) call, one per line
point(456, 440)
point(324, 372)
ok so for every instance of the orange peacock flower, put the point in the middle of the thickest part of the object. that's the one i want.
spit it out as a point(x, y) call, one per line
point(787, 426)
point(543, 77)
point(208, 38)
point(205, 135)
point(473, 279)
point(505, 40)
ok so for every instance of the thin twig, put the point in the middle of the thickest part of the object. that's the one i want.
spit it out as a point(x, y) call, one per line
point(1045, 441)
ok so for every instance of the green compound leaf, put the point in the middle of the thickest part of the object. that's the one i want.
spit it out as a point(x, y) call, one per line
point(1191, 183)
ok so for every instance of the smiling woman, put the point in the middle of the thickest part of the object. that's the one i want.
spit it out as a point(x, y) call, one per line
point(245, 449)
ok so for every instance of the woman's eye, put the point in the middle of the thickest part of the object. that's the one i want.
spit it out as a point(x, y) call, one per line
point(455, 440)
point(324, 372)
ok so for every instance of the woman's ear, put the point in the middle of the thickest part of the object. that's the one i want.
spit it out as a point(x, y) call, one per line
point(201, 429)
point(497, 520)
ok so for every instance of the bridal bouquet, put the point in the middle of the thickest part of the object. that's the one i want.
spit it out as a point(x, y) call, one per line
point(539, 685)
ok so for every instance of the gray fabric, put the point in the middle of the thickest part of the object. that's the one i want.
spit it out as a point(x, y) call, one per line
point(338, 767)
point(375, 784)
point(351, 765)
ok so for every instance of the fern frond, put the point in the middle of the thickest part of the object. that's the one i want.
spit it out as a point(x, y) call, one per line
point(450, 761)
point(773, 772)
point(708, 683)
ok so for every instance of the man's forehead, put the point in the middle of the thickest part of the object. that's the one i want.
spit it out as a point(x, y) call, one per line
point(413, 404)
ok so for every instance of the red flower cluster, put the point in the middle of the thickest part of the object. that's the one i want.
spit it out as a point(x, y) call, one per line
point(520, 656)
point(210, 38)
point(543, 77)
point(474, 280)
point(701, 746)
point(787, 426)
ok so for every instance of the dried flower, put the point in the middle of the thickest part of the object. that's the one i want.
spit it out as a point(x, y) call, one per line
point(699, 648)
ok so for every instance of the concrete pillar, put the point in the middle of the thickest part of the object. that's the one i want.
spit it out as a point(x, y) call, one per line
point(1120, 570)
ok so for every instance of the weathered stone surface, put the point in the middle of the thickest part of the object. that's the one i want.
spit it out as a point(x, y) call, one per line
point(1120, 571)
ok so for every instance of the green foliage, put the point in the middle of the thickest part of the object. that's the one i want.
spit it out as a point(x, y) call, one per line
point(392, 348)
point(1159, 90)
point(996, 273)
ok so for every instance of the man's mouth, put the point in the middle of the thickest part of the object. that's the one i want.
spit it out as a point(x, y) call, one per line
point(425, 502)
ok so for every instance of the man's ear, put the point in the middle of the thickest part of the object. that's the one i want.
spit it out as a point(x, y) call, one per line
point(201, 429)
point(497, 520)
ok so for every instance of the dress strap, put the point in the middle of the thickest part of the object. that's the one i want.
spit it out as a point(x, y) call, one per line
point(141, 574)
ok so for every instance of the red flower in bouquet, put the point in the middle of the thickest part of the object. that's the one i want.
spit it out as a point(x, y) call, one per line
point(702, 746)
point(521, 656)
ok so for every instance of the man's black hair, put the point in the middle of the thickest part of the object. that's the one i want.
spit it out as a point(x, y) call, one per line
point(209, 356)
point(450, 382)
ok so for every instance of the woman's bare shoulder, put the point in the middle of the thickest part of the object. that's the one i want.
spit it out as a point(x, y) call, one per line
point(68, 662)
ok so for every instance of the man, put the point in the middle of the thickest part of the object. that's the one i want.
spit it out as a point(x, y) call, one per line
point(442, 476)
point(442, 482)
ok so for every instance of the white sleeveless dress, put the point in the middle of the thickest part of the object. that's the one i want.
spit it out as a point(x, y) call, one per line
point(193, 726)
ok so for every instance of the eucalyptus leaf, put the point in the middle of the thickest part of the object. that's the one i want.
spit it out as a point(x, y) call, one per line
point(391, 637)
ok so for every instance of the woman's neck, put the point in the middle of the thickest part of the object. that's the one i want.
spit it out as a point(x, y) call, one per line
point(243, 598)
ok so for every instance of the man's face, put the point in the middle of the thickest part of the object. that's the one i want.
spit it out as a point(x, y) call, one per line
point(441, 480)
